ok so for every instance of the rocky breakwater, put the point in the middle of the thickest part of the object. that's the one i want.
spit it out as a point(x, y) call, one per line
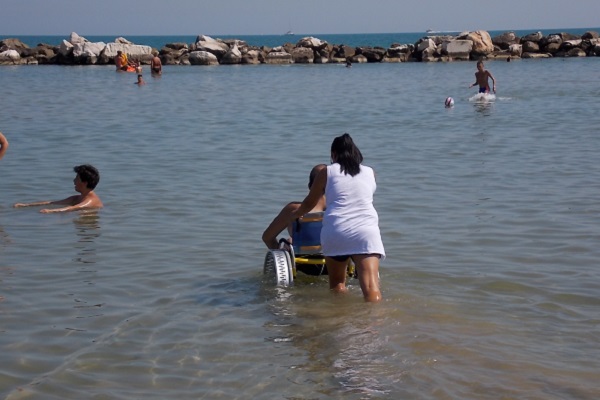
point(74, 50)
point(479, 44)
point(309, 50)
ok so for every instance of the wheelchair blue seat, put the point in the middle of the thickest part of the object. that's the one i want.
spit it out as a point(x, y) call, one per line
point(306, 234)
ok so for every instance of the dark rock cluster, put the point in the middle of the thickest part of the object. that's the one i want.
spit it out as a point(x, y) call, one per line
point(309, 50)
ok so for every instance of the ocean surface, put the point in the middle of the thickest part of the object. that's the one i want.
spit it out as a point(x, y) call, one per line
point(489, 212)
point(353, 40)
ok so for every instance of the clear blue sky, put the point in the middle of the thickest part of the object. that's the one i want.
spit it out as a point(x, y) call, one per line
point(264, 17)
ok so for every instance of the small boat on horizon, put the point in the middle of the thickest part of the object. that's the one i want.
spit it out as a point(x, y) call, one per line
point(288, 33)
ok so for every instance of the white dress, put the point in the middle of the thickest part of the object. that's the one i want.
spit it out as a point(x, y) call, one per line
point(350, 223)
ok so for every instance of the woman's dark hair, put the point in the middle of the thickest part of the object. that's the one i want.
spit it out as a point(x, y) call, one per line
point(347, 154)
point(88, 174)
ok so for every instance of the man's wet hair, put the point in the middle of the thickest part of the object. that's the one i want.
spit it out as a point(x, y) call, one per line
point(88, 174)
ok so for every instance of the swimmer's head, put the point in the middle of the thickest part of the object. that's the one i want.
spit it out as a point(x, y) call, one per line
point(88, 174)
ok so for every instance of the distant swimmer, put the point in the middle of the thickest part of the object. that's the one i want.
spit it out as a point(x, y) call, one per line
point(3, 145)
point(156, 65)
point(449, 102)
point(85, 182)
point(482, 77)
point(140, 80)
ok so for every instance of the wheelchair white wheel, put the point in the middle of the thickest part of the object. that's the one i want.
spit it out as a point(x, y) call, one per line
point(277, 267)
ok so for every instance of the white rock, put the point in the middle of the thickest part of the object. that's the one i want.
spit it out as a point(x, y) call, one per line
point(203, 58)
point(132, 50)
point(74, 38)
point(65, 48)
point(10, 56)
point(457, 49)
point(88, 49)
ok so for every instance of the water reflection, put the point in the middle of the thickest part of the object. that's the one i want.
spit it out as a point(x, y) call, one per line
point(484, 107)
point(87, 225)
point(4, 238)
point(339, 334)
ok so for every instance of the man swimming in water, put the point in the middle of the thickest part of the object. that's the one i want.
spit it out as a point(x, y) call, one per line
point(482, 77)
point(85, 182)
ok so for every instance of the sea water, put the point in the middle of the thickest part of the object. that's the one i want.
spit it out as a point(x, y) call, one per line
point(489, 212)
point(353, 40)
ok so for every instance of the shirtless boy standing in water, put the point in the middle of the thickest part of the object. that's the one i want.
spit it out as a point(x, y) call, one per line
point(481, 78)
point(85, 182)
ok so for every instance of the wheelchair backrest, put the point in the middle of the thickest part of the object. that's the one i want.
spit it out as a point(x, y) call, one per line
point(306, 234)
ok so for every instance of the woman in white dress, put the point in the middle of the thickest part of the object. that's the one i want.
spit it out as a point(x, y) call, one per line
point(350, 224)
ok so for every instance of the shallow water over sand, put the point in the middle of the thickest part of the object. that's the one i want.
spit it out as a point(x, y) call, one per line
point(489, 213)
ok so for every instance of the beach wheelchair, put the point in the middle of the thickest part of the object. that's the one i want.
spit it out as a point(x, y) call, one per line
point(304, 254)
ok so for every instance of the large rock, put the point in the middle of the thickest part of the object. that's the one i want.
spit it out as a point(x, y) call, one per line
point(122, 40)
point(552, 47)
point(536, 55)
point(279, 56)
point(515, 50)
point(425, 43)
point(373, 54)
point(430, 55)
point(88, 49)
point(482, 43)
point(133, 51)
point(341, 53)
point(44, 51)
point(457, 49)
point(13, 44)
point(505, 40)
point(531, 47)
point(358, 59)
point(311, 43)
point(233, 56)
point(177, 46)
point(322, 56)
point(576, 52)
point(74, 39)
point(65, 49)
point(252, 56)
point(533, 37)
point(303, 55)
point(203, 58)
point(590, 35)
point(10, 57)
point(397, 48)
point(169, 59)
point(206, 43)
point(172, 53)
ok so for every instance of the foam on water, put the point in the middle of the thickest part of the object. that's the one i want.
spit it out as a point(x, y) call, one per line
point(483, 97)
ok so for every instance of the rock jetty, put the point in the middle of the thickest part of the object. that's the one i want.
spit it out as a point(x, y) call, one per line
point(476, 45)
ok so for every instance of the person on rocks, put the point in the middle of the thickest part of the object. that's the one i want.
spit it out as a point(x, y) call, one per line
point(85, 182)
point(482, 77)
